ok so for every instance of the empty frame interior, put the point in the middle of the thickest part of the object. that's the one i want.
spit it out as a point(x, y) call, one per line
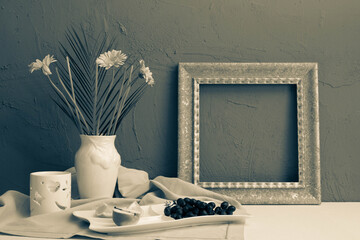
point(248, 133)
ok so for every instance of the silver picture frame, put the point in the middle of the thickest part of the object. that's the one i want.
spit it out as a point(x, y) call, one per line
point(304, 75)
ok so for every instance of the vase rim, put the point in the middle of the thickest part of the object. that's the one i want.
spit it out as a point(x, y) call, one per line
point(98, 136)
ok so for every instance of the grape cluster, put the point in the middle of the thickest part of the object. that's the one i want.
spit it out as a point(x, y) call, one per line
point(189, 207)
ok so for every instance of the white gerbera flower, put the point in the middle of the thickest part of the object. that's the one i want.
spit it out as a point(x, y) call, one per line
point(44, 64)
point(111, 58)
point(146, 73)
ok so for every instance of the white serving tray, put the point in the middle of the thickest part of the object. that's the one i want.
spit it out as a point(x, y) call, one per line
point(153, 219)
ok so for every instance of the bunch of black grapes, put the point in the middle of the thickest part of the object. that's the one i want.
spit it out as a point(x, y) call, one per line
point(189, 207)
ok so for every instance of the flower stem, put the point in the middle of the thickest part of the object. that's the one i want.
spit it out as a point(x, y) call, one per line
point(128, 85)
point(105, 98)
point(95, 97)
point(76, 106)
point(72, 85)
point(117, 101)
point(66, 101)
point(70, 77)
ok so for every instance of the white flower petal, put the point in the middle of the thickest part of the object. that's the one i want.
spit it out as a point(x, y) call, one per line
point(48, 59)
point(151, 81)
point(46, 70)
point(142, 63)
point(35, 65)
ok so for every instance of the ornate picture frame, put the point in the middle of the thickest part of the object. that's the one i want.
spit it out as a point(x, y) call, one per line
point(304, 75)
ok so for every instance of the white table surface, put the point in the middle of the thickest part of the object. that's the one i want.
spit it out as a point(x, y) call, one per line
point(328, 221)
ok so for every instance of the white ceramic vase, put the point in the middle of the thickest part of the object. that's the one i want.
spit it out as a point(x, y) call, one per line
point(97, 164)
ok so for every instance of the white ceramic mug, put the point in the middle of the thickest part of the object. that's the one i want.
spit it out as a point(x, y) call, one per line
point(49, 192)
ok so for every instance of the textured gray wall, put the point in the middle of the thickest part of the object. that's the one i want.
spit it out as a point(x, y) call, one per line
point(36, 135)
